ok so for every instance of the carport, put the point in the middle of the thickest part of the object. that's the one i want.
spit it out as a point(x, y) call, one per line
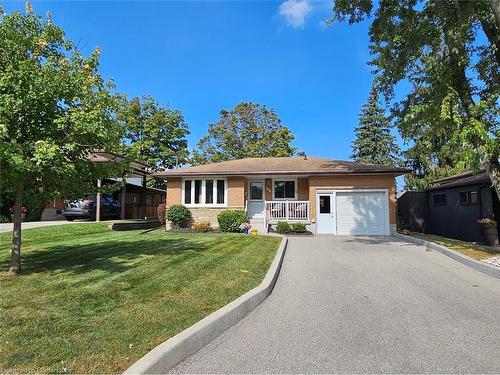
point(135, 193)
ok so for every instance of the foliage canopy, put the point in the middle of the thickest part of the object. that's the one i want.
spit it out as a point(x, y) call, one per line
point(55, 110)
point(248, 130)
point(449, 115)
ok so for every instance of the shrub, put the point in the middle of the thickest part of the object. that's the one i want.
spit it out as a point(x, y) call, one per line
point(161, 212)
point(299, 228)
point(487, 221)
point(178, 215)
point(402, 222)
point(230, 220)
point(35, 203)
point(283, 227)
point(202, 227)
point(4, 219)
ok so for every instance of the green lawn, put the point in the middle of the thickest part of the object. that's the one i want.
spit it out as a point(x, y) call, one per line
point(469, 249)
point(92, 300)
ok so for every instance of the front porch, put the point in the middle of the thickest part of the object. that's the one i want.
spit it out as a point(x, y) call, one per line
point(290, 211)
point(264, 214)
point(273, 199)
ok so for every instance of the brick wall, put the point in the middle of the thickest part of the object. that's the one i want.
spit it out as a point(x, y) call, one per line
point(236, 190)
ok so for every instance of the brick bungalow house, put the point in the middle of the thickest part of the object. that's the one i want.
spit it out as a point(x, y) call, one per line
point(330, 196)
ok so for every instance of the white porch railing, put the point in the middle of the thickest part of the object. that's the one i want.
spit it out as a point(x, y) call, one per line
point(287, 211)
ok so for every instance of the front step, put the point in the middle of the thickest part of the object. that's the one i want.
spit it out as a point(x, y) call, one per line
point(259, 224)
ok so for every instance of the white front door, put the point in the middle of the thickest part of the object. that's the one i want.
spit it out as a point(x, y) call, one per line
point(256, 199)
point(325, 213)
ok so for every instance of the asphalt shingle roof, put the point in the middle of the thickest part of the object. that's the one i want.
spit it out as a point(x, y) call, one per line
point(466, 178)
point(282, 166)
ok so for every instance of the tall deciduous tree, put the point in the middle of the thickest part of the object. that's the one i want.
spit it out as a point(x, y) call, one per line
point(157, 135)
point(449, 115)
point(248, 130)
point(374, 142)
point(55, 109)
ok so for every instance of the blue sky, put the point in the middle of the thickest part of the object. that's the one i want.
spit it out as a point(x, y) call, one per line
point(201, 57)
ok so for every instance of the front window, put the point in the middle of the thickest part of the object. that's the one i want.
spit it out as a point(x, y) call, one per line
point(209, 191)
point(284, 189)
point(197, 191)
point(187, 192)
point(204, 192)
point(221, 191)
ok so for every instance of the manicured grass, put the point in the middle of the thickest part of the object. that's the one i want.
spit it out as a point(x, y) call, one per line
point(92, 300)
point(469, 249)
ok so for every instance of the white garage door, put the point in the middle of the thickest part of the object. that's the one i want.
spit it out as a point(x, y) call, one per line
point(362, 213)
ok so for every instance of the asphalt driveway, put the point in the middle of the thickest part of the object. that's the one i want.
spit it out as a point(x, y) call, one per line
point(7, 227)
point(364, 305)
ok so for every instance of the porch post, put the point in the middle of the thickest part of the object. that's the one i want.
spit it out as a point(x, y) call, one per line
point(98, 202)
point(144, 192)
point(124, 200)
point(286, 210)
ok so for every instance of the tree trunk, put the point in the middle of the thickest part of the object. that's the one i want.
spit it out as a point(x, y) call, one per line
point(495, 6)
point(15, 258)
point(493, 171)
point(491, 33)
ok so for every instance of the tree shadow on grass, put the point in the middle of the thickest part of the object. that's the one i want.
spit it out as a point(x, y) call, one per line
point(111, 256)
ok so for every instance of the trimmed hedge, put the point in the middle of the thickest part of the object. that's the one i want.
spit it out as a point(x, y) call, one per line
point(179, 215)
point(299, 228)
point(35, 202)
point(230, 220)
point(283, 227)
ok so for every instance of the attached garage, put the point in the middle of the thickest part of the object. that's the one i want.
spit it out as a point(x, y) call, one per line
point(356, 212)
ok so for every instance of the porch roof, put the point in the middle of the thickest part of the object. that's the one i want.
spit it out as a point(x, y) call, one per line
point(304, 166)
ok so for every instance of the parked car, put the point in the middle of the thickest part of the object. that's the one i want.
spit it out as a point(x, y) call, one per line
point(86, 208)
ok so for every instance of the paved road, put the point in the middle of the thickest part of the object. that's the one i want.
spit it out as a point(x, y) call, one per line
point(364, 305)
point(7, 227)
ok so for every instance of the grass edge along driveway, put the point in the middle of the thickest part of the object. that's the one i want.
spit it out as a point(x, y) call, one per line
point(469, 249)
point(92, 300)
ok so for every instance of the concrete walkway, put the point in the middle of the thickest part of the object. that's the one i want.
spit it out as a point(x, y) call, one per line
point(7, 227)
point(364, 305)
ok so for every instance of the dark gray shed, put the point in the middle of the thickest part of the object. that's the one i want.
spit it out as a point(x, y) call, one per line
point(451, 207)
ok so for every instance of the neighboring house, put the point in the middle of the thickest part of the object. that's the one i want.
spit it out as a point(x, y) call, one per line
point(331, 196)
point(451, 207)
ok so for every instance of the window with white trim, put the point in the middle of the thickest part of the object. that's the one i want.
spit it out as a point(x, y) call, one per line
point(284, 189)
point(204, 192)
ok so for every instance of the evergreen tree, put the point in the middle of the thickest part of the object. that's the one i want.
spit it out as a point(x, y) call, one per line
point(374, 142)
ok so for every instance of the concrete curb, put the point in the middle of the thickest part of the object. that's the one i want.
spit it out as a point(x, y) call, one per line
point(477, 265)
point(169, 353)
